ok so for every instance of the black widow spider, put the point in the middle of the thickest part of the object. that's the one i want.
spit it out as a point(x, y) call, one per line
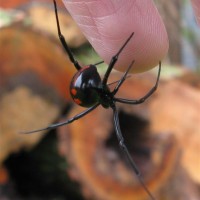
point(88, 90)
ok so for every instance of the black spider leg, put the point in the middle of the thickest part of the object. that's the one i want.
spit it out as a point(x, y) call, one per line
point(64, 43)
point(141, 100)
point(126, 152)
point(122, 79)
point(76, 117)
point(128, 76)
point(114, 60)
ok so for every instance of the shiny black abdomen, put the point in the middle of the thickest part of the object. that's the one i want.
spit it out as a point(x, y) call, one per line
point(85, 86)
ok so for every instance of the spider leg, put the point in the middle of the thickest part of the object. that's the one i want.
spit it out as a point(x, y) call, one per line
point(64, 43)
point(114, 60)
point(98, 63)
point(126, 152)
point(122, 79)
point(118, 80)
point(76, 117)
point(146, 96)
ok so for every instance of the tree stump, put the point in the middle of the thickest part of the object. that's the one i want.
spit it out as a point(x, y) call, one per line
point(34, 76)
point(176, 109)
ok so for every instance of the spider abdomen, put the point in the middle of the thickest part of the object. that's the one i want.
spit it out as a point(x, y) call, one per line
point(84, 86)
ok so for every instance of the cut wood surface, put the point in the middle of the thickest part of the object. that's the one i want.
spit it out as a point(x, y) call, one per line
point(34, 77)
point(177, 110)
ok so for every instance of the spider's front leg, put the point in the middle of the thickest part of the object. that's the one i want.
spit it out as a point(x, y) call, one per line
point(64, 43)
point(114, 60)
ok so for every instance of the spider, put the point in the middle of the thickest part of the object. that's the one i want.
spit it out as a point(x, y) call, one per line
point(89, 90)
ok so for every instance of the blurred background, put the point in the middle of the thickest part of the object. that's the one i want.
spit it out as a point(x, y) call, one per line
point(83, 160)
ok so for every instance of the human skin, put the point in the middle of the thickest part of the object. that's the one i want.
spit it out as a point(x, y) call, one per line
point(196, 7)
point(108, 23)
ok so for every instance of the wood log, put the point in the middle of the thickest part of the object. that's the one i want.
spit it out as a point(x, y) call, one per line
point(176, 109)
point(91, 148)
point(34, 76)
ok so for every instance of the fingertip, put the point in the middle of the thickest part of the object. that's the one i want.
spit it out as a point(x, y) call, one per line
point(196, 8)
point(107, 24)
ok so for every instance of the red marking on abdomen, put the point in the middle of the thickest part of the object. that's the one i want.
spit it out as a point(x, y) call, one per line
point(73, 91)
point(78, 101)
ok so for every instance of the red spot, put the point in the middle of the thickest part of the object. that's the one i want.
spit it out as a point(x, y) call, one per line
point(73, 91)
point(77, 101)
